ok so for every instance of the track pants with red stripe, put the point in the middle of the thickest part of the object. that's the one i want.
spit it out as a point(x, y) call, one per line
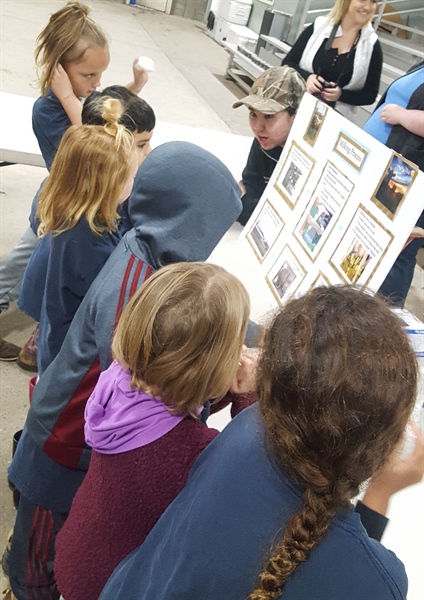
point(31, 555)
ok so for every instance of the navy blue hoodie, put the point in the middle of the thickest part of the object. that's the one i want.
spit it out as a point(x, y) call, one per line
point(183, 201)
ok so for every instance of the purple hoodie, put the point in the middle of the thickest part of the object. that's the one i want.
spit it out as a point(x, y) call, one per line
point(119, 418)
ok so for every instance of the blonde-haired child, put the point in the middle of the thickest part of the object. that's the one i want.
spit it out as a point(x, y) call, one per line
point(72, 53)
point(93, 172)
point(178, 343)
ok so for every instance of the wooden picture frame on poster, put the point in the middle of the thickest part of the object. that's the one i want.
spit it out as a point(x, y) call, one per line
point(315, 123)
point(291, 180)
point(356, 252)
point(324, 229)
point(394, 185)
point(285, 276)
point(257, 238)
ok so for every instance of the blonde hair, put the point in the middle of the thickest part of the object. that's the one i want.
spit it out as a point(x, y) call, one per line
point(69, 33)
point(340, 9)
point(89, 172)
point(182, 332)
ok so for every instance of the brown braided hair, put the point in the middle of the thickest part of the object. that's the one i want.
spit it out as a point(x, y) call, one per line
point(337, 383)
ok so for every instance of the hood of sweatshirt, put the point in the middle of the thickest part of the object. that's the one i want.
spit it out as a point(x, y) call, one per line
point(119, 418)
point(183, 201)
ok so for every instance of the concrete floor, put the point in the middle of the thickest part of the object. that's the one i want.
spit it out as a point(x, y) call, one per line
point(188, 88)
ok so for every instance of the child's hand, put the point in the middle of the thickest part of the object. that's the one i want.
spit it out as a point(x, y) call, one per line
point(141, 77)
point(402, 471)
point(396, 474)
point(392, 114)
point(242, 187)
point(60, 84)
point(245, 379)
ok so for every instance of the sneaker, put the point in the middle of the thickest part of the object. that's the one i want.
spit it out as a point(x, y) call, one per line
point(27, 358)
point(8, 351)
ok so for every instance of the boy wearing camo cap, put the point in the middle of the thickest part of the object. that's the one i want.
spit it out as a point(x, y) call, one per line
point(273, 101)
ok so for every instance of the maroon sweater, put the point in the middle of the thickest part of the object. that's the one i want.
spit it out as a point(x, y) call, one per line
point(118, 503)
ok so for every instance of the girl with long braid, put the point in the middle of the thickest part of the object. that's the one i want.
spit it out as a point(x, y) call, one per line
point(266, 512)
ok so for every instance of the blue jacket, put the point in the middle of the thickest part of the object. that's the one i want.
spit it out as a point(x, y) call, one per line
point(212, 541)
point(58, 276)
point(183, 201)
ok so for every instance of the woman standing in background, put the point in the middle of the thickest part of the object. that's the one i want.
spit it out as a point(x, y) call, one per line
point(340, 57)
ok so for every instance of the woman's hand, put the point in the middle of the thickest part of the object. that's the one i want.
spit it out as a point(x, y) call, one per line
point(331, 94)
point(314, 84)
point(245, 379)
point(392, 114)
point(60, 84)
point(410, 119)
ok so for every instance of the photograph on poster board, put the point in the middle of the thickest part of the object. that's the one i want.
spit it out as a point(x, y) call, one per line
point(354, 262)
point(285, 276)
point(294, 174)
point(361, 249)
point(266, 228)
point(315, 223)
point(351, 151)
point(328, 200)
point(394, 185)
point(315, 123)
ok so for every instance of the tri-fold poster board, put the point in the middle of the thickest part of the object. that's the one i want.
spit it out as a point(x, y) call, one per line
point(338, 209)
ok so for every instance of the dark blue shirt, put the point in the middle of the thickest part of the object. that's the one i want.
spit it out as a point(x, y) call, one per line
point(49, 123)
point(57, 277)
point(212, 541)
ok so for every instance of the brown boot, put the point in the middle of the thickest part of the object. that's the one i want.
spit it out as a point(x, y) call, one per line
point(7, 592)
point(8, 351)
point(27, 358)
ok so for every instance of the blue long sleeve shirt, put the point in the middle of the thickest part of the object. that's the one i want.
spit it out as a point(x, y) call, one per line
point(212, 541)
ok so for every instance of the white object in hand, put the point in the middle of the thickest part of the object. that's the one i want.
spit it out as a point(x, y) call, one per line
point(145, 63)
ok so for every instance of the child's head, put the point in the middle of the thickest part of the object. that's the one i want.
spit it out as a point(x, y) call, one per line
point(93, 172)
point(181, 334)
point(273, 101)
point(71, 38)
point(337, 385)
point(137, 116)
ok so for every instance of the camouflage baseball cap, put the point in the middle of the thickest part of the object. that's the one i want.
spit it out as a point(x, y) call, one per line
point(275, 90)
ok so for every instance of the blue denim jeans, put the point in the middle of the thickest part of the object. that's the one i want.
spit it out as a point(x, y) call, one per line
point(12, 268)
